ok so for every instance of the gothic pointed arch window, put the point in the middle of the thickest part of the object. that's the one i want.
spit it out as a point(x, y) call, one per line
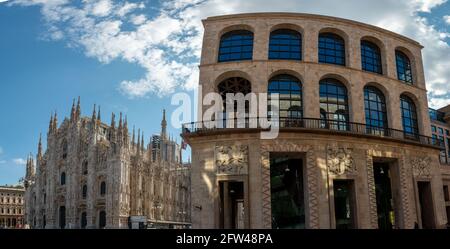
point(85, 167)
point(102, 188)
point(84, 191)
point(83, 220)
point(64, 149)
point(63, 178)
point(102, 219)
point(236, 45)
point(334, 107)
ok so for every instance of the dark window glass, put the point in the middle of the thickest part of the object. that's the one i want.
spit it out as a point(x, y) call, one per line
point(236, 45)
point(331, 49)
point(289, 89)
point(285, 44)
point(234, 85)
point(64, 149)
point(404, 72)
point(83, 220)
point(436, 115)
point(375, 110)
point(409, 117)
point(85, 167)
point(84, 191)
point(334, 109)
point(102, 219)
point(371, 57)
point(433, 129)
point(63, 178)
point(441, 131)
point(102, 188)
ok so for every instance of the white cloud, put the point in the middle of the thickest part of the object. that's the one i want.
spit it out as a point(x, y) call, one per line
point(2, 1)
point(168, 45)
point(19, 161)
point(447, 19)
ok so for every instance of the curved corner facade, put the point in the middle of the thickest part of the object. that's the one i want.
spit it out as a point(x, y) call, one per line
point(354, 149)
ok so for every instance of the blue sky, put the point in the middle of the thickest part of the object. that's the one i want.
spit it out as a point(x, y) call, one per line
point(131, 56)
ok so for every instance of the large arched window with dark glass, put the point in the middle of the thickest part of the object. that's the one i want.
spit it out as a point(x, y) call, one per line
point(102, 189)
point(289, 89)
point(285, 44)
point(331, 49)
point(404, 69)
point(84, 191)
point(334, 109)
point(375, 109)
point(63, 178)
point(409, 117)
point(371, 57)
point(236, 46)
point(234, 85)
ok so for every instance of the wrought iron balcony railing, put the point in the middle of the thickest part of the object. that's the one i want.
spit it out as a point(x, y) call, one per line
point(335, 126)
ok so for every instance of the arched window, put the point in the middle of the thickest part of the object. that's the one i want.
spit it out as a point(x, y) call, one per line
point(404, 71)
point(409, 117)
point(234, 85)
point(102, 188)
point(331, 49)
point(102, 219)
point(64, 149)
point(375, 108)
point(289, 89)
point(63, 178)
point(83, 220)
point(333, 105)
point(85, 167)
point(285, 44)
point(84, 191)
point(236, 46)
point(371, 57)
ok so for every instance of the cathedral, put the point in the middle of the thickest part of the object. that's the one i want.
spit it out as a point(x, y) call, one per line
point(94, 175)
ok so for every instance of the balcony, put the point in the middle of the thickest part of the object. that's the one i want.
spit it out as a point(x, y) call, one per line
point(332, 127)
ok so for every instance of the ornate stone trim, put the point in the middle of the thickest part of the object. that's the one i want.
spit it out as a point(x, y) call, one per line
point(311, 173)
point(232, 160)
point(340, 161)
point(372, 192)
point(404, 193)
point(421, 166)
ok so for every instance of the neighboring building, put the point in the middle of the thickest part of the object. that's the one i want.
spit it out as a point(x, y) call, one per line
point(11, 206)
point(95, 176)
point(355, 147)
point(440, 128)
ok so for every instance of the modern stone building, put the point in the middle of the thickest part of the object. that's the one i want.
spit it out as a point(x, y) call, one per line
point(355, 148)
point(11, 206)
point(94, 175)
point(440, 128)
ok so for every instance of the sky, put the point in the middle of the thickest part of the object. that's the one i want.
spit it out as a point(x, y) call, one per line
point(132, 56)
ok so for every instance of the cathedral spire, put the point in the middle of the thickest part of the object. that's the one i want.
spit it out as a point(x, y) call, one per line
point(98, 115)
point(138, 141)
point(39, 154)
point(72, 112)
point(55, 121)
point(78, 111)
point(133, 138)
point(50, 125)
point(120, 121)
point(164, 126)
point(113, 121)
point(142, 142)
point(94, 113)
